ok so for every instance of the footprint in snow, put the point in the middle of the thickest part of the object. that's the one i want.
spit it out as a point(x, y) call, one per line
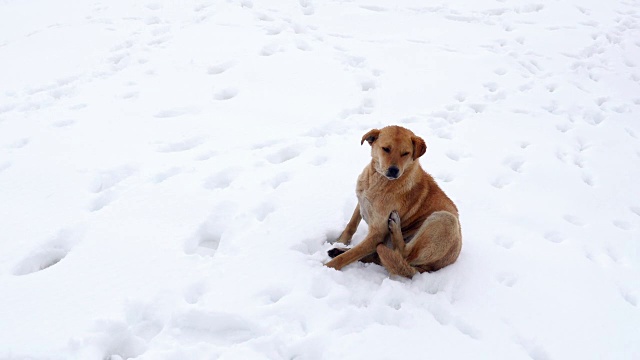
point(193, 293)
point(285, 154)
point(622, 225)
point(525, 87)
point(317, 245)
point(274, 29)
point(210, 234)
point(457, 155)
point(117, 339)
point(166, 174)
point(222, 179)
point(205, 155)
point(219, 328)
point(478, 108)
point(152, 20)
point(367, 84)
point(182, 145)
point(220, 68)
point(158, 40)
point(262, 211)
point(366, 107)
point(500, 182)
point(270, 49)
point(588, 179)
point(154, 6)
point(491, 86)
point(504, 242)
point(507, 279)
point(573, 220)
point(273, 294)
point(564, 127)
point(175, 112)
point(319, 160)
point(440, 314)
point(103, 199)
point(535, 351)
point(4, 166)
point(7, 107)
point(277, 180)
point(106, 180)
point(466, 329)
point(630, 296)
point(444, 177)
point(319, 288)
point(19, 144)
point(453, 155)
point(514, 163)
point(128, 338)
point(554, 237)
point(500, 71)
point(61, 124)
point(496, 96)
point(40, 259)
point(50, 253)
point(264, 17)
point(104, 185)
point(374, 8)
point(307, 7)
point(130, 95)
point(460, 97)
point(302, 45)
point(226, 93)
point(161, 30)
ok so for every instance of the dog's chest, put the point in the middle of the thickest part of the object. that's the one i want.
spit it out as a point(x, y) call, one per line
point(376, 198)
point(375, 206)
point(365, 206)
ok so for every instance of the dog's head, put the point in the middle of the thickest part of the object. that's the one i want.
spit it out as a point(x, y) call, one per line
point(394, 149)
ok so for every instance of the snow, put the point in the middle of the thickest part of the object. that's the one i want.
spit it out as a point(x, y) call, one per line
point(172, 175)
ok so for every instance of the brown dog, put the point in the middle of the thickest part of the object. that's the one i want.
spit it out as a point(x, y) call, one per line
point(413, 225)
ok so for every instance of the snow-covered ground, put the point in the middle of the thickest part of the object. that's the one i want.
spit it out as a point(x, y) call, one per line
point(171, 175)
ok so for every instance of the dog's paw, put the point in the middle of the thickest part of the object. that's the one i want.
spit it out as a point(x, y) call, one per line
point(335, 252)
point(394, 221)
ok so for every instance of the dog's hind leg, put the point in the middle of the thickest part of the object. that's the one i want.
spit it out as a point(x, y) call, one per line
point(394, 262)
point(437, 243)
point(393, 259)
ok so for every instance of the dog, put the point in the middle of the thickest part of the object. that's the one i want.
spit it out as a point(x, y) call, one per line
point(413, 225)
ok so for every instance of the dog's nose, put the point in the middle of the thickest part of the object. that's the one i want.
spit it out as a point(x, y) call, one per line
point(393, 171)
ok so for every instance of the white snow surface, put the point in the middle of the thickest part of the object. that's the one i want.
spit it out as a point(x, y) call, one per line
point(172, 174)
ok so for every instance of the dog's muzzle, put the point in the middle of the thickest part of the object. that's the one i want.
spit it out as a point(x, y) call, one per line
point(392, 172)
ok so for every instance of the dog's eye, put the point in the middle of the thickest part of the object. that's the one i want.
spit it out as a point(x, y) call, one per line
point(386, 149)
point(405, 154)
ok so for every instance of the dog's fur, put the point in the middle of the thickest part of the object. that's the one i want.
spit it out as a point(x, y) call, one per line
point(413, 225)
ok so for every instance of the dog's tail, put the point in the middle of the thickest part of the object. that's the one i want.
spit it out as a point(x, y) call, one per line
point(394, 262)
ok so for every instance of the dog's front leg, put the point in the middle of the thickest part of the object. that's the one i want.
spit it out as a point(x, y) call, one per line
point(366, 247)
point(352, 226)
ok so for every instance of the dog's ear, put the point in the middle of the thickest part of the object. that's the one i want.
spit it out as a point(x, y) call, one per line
point(371, 136)
point(419, 147)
